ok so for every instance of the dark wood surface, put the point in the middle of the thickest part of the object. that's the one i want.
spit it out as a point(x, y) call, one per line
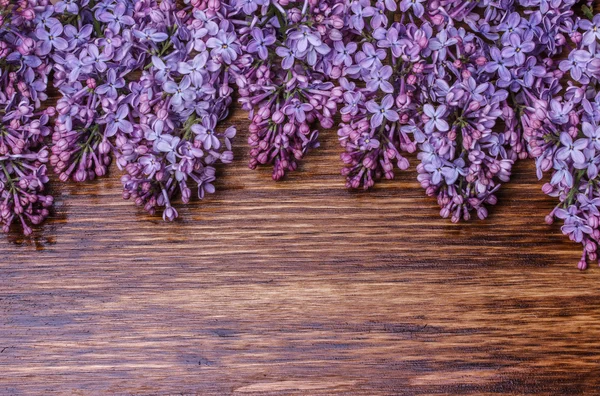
point(299, 286)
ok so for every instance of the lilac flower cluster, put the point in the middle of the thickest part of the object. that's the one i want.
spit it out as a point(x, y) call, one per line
point(285, 75)
point(421, 83)
point(160, 126)
point(91, 46)
point(167, 140)
point(563, 132)
point(24, 70)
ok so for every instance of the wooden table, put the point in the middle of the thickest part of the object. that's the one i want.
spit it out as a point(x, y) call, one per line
point(299, 286)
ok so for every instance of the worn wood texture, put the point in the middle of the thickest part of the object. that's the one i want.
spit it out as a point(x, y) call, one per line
point(300, 287)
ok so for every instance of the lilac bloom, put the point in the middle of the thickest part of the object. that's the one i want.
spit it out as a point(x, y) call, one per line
point(352, 100)
point(205, 132)
point(305, 37)
point(475, 90)
point(440, 42)
point(382, 111)
point(367, 142)
point(52, 39)
point(592, 133)
point(69, 5)
point(439, 171)
point(110, 41)
point(391, 41)
point(576, 230)
point(592, 29)
point(418, 135)
point(574, 225)
point(224, 45)
point(168, 144)
point(559, 113)
point(287, 55)
point(500, 64)
point(571, 149)
point(379, 80)
point(379, 18)
point(259, 43)
point(531, 70)
point(516, 49)
point(78, 37)
point(297, 109)
point(162, 69)
point(562, 174)
point(150, 163)
point(112, 84)
point(196, 69)
point(207, 22)
point(116, 18)
point(151, 35)
point(589, 205)
point(570, 215)
point(359, 15)
point(416, 5)
point(510, 25)
point(590, 164)
point(344, 53)
point(180, 92)
point(45, 19)
point(435, 118)
point(372, 57)
point(531, 25)
point(96, 59)
point(120, 122)
point(576, 63)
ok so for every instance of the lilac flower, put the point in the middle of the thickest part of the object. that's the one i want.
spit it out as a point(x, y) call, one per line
point(352, 99)
point(592, 29)
point(592, 133)
point(379, 80)
point(416, 6)
point(112, 84)
point(440, 43)
point(95, 58)
point(500, 64)
point(436, 120)
point(305, 37)
point(117, 18)
point(297, 109)
point(576, 63)
point(224, 45)
point(52, 39)
point(590, 164)
point(516, 49)
point(589, 205)
point(260, 43)
point(571, 149)
point(287, 55)
point(384, 110)
point(120, 122)
point(344, 53)
point(180, 92)
point(559, 113)
point(440, 172)
point(151, 35)
point(206, 132)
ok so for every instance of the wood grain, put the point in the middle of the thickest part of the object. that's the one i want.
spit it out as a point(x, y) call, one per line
point(299, 287)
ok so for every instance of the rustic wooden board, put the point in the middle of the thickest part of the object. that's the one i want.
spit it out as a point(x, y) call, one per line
point(299, 286)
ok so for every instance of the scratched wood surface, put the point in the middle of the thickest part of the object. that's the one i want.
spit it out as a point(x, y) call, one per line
point(297, 287)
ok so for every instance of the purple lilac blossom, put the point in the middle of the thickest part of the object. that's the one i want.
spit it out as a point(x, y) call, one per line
point(563, 132)
point(24, 71)
point(287, 88)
